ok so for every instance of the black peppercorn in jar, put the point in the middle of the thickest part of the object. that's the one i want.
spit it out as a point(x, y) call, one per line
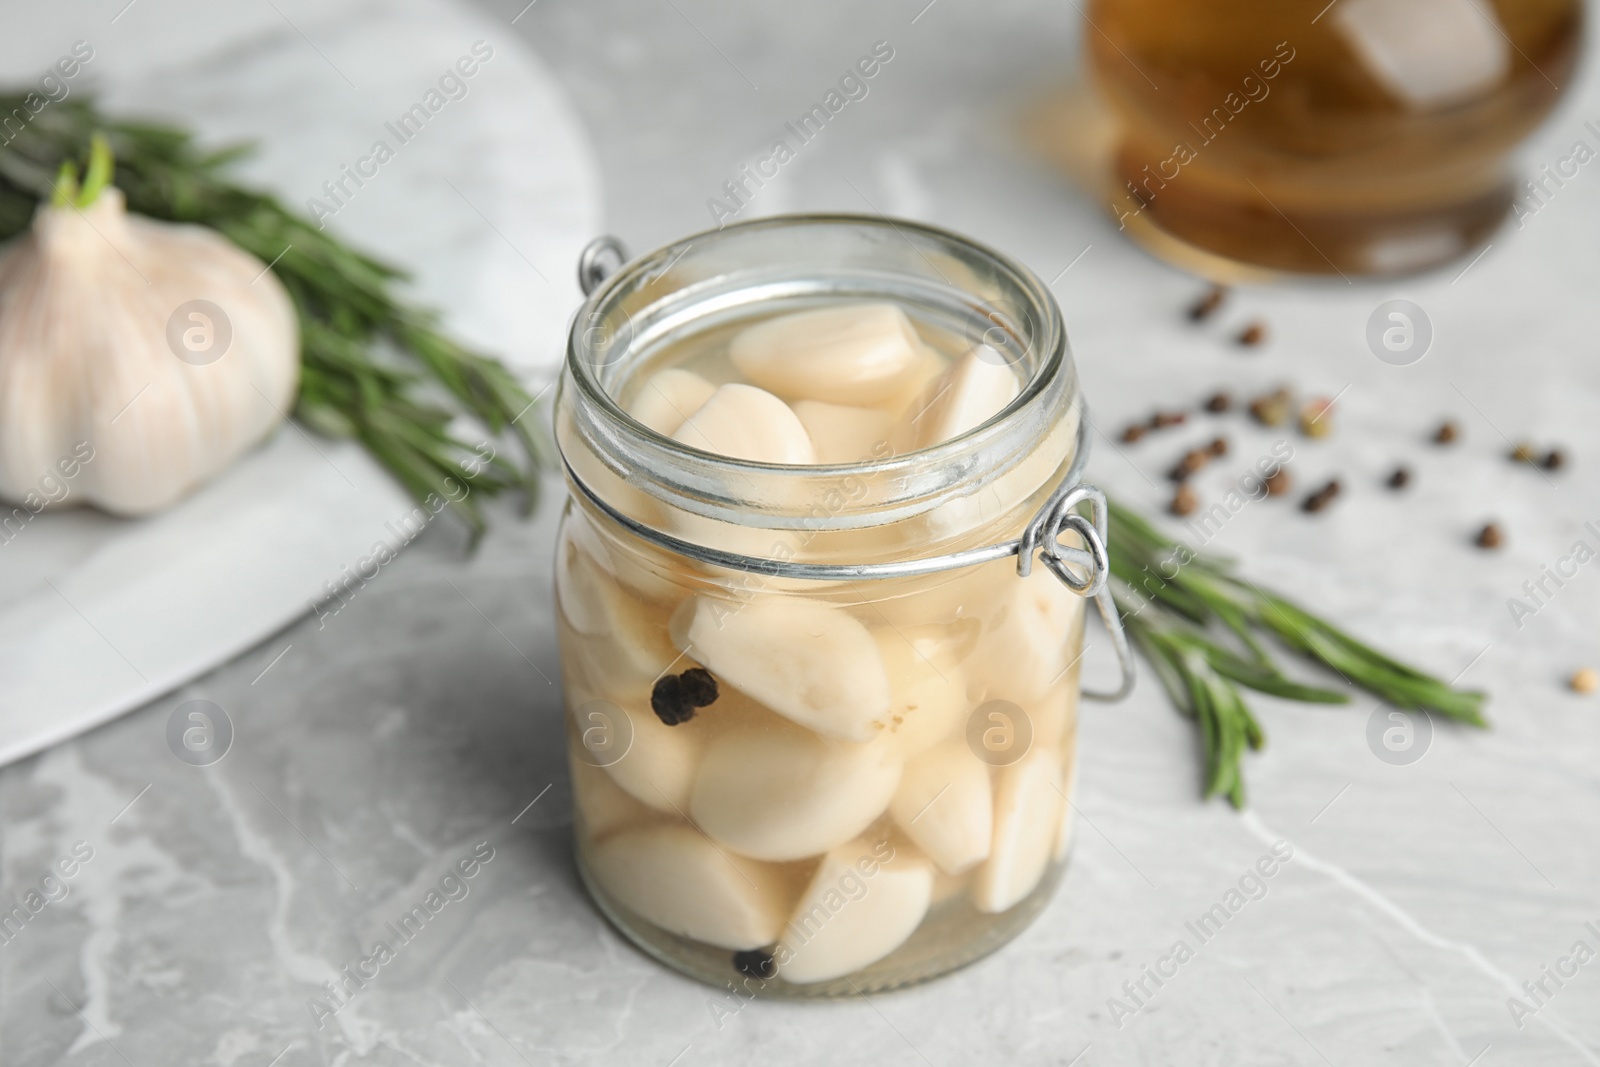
point(822, 707)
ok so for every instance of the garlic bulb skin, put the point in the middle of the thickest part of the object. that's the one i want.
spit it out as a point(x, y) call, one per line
point(86, 297)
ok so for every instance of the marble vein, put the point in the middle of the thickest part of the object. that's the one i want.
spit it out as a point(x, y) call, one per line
point(1409, 923)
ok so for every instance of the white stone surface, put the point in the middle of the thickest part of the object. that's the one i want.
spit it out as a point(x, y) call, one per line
point(421, 720)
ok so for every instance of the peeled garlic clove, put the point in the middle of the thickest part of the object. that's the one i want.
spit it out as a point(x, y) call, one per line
point(1064, 837)
point(943, 804)
point(808, 660)
point(657, 766)
point(632, 500)
point(163, 349)
point(914, 388)
point(1038, 473)
point(784, 794)
point(1027, 812)
point(668, 398)
point(600, 807)
point(643, 570)
point(968, 394)
point(742, 540)
point(671, 876)
point(743, 422)
point(1055, 717)
point(861, 905)
point(620, 666)
point(583, 596)
point(844, 434)
point(929, 687)
point(621, 643)
point(930, 601)
point(850, 354)
point(1028, 641)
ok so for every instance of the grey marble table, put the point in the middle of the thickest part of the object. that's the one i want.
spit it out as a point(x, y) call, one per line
point(419, 726)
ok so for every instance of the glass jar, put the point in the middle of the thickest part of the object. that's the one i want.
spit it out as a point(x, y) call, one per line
point(1353, 137)
point(821, 719)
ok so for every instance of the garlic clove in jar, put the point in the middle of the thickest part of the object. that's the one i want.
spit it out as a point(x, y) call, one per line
point(619, 557)
point(668, 398)
point(673, 877)
point(743, 422)
point(1039, 472)
point(1028, 802)
point(619, 639)
point(929, 686)
point(864, 901)
point(845, 434)
point(1064, 835)
point(851, 354)
point(1028, 640)
point(970, 392)
point(785, 794)
point(165, 347)
point(600, 806)
point(943, 804)
point(909, 399)
point(654, 763)
point(809, 661)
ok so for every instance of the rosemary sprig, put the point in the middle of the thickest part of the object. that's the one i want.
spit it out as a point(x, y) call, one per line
point(372, 366)
point(1200, 626)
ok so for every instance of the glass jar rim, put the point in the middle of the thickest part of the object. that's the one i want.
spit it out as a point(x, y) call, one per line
point(627, 446)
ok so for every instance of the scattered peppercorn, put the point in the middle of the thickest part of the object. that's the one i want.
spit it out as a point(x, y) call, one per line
point(1134, 431)
point(1218, 446)
point(1271, 409)
point(1201, 309)
point(755, 963)
point(1400, 478)
point(669, 702)
point(1218, 402)
point(1192, 461)
point(1553, 460)
point(1279, 482)
point(1586, 680)
point(1490, 536)
point(1446, 433)
point(1253, 334)
point(699, 687)
point(1523, 453)
point(1162, 419)
point(1184, 501)
point(1322, 497)
point(1316, 417)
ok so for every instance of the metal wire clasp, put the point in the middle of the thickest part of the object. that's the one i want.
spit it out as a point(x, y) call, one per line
point(1041, 537)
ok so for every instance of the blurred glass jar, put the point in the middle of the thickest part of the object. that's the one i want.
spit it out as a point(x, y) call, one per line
point(873, 787)
point(1357, 136)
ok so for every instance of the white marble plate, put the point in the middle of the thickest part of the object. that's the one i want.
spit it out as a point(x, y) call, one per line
point(489, 203)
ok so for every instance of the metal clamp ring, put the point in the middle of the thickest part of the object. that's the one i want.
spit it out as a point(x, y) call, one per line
point(599, 260)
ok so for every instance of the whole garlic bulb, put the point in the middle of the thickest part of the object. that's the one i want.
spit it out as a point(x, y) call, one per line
point(165, 347)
